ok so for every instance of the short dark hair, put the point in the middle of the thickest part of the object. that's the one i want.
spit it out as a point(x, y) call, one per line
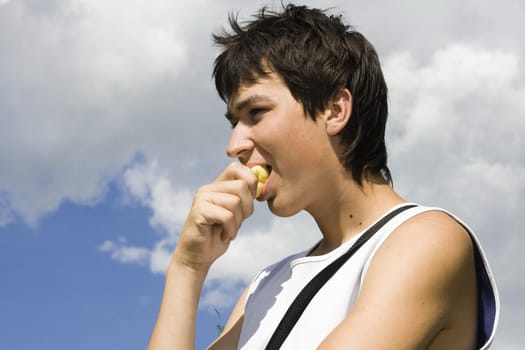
point(317, 56)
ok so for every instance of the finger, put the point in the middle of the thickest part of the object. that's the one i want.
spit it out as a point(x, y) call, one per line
point(206, 201)
point(230, 202)
point(238, 188)
point(220, 220)
point(238, 171)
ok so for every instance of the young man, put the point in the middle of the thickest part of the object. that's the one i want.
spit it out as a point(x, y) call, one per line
point(307, 101)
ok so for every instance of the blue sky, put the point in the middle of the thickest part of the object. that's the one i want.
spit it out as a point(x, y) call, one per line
point(60, 292)
point(109, 122)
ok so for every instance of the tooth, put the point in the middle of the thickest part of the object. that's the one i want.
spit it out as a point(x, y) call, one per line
point(262, 175)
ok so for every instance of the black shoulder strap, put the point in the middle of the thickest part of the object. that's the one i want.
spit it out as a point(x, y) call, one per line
point(302, 300)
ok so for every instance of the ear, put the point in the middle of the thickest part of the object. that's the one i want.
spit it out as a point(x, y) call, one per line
point(341, 110)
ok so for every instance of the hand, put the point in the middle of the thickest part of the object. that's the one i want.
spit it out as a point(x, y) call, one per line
point(215, 217)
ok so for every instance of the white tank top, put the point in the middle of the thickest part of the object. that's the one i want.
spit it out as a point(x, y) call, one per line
point(274, 289)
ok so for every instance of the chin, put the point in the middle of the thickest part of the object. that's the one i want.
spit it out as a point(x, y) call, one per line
point(282, 210)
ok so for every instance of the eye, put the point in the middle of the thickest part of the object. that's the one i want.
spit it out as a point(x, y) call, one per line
point(250, 117)
point(256, 113)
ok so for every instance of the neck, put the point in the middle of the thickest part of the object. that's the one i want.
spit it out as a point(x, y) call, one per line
point(356, 207)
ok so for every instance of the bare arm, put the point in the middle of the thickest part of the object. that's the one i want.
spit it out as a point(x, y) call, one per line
point(217, 212)
point(176, 321)
point(419, 292)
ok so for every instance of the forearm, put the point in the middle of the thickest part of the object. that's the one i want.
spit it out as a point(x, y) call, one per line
point(216, 214)
point(176, 322)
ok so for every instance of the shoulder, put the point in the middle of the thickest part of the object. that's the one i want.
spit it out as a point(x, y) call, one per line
point(433, 232)
point(419, 289)
point(431, 243)
point(427, 265)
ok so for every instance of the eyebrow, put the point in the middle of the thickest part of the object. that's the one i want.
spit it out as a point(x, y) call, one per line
point(251, 100)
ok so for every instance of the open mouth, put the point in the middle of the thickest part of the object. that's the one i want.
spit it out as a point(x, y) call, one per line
point(262, 172)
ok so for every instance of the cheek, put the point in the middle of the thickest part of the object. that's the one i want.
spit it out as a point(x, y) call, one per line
point(297, 136)
point(294, 142)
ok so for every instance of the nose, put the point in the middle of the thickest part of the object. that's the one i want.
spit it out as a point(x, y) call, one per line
point(241, 143)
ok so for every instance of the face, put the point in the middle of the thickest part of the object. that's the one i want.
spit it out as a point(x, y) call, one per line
point(270, 128)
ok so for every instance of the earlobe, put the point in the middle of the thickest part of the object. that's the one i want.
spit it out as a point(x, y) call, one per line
point(341, 110)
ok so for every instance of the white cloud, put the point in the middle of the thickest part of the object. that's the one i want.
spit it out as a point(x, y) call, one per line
point(220, 295)
point(153, 188)
point(85, 85)
point(129, 43)
point(458, 119)
point(161, 255)
point(123, 253)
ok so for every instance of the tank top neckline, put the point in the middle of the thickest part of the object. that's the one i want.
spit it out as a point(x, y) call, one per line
point(304, 257)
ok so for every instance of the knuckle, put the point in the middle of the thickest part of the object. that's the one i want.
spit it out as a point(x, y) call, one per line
point(237, 201)
point(244, 186)
point(229, 216)
point(235, 165)
point(203, 189)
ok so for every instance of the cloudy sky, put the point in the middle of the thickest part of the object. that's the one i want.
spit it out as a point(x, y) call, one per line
point(109, 122)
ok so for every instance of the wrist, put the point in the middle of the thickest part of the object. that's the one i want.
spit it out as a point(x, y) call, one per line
point(187, 267)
